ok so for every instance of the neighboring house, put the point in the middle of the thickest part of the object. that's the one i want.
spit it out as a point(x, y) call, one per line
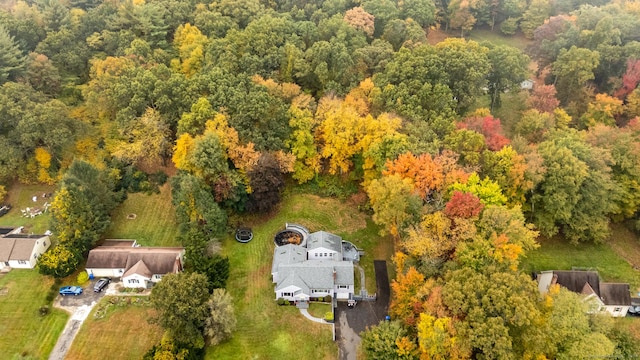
point(613, 298)
point(315, 270)
point(527, 84)
point(139, 267)
point(19, 250)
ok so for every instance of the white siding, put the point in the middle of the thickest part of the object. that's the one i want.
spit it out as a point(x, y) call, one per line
point(617, 311)
point(135, 281)
point(112, 273)
point(321, 254)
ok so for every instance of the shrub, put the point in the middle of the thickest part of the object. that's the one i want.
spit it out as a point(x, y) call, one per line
point(83, 277)
point(50, 296)
point(44, 310)
point(328, 316)
point(327, 298)
point(281, 301)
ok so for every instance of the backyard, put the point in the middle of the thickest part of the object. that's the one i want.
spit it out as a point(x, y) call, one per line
point(24, 331)
point(149, 219)
point(607, 258)
point(20, 197)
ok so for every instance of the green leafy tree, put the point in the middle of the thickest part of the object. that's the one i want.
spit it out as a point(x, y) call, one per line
point(466, 64)
point(182, 309)
point(573, 68)
point(381, 342)
point(486, 189)
point(537, 12)
point(508, 70)
point(577, 192)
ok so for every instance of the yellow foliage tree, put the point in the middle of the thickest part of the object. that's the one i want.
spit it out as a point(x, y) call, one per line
point(603, 110)
point(190, 43)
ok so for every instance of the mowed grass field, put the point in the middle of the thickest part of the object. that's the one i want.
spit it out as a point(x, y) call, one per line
point(266, 330)
point(23, 332)
point(558, 254)
point(155, 220)
point(123, 333)
point(20, 197)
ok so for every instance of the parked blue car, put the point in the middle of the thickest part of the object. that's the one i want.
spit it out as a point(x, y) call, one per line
point(70, 290)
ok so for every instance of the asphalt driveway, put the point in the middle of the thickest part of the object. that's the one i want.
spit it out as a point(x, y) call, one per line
point(351, 322)
point(79, 307)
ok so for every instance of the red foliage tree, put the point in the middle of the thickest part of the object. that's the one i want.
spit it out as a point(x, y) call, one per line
point(488, 126)
point(630, 79)
point(463, 205)
point(543, 98)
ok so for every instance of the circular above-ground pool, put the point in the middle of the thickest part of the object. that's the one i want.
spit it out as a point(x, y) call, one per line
point(244, 235)
point(288, 236)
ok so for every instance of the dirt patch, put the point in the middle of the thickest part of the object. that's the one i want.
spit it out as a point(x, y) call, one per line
point(435, 36)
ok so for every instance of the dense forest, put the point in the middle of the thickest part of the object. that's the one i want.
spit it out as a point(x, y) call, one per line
point(239, 98)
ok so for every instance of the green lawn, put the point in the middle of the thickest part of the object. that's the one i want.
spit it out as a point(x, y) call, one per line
point(497, 38)
point(122, 333)
point(558, 254)
point(266, 330)
point(20, 197)
point(319, 309)
point(154, 223)
point(24, 331)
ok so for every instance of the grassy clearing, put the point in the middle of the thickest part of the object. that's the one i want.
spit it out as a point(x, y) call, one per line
point(123, 333)
point(558, 254)
point(266, 330)
point(154, 224)
point(24, 331)
point(20, 197)
point(497, 38)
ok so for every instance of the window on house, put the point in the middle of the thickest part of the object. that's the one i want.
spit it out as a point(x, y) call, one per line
point(120, 271)
point(618, 309)
point(22, 262)
point(325, 254)
point(44, 243)
point(287, 294)
point(343, 286)
point(134, 281)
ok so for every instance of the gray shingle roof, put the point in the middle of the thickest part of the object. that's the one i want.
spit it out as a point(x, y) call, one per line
point(325, 240)
point(288, 254)
point(317, 274)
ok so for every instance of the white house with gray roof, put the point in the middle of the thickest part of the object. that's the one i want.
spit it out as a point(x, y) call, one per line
point(314, 270)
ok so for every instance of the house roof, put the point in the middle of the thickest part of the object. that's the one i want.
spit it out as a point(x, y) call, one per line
point(288, 254)
point(6, 247)
point(325, 240)
point(317, 274)
point(588, 283)
point(575, 280)
point(139, 268)
point(18, 246)
point(293, 280)
point(158, 260)
point(615, 294)
point(22, 249)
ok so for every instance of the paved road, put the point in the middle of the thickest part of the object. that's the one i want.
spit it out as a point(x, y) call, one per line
point(79, 306)
point(351, 322)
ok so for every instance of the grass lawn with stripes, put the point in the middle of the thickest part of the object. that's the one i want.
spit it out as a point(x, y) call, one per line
point(149, 219)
